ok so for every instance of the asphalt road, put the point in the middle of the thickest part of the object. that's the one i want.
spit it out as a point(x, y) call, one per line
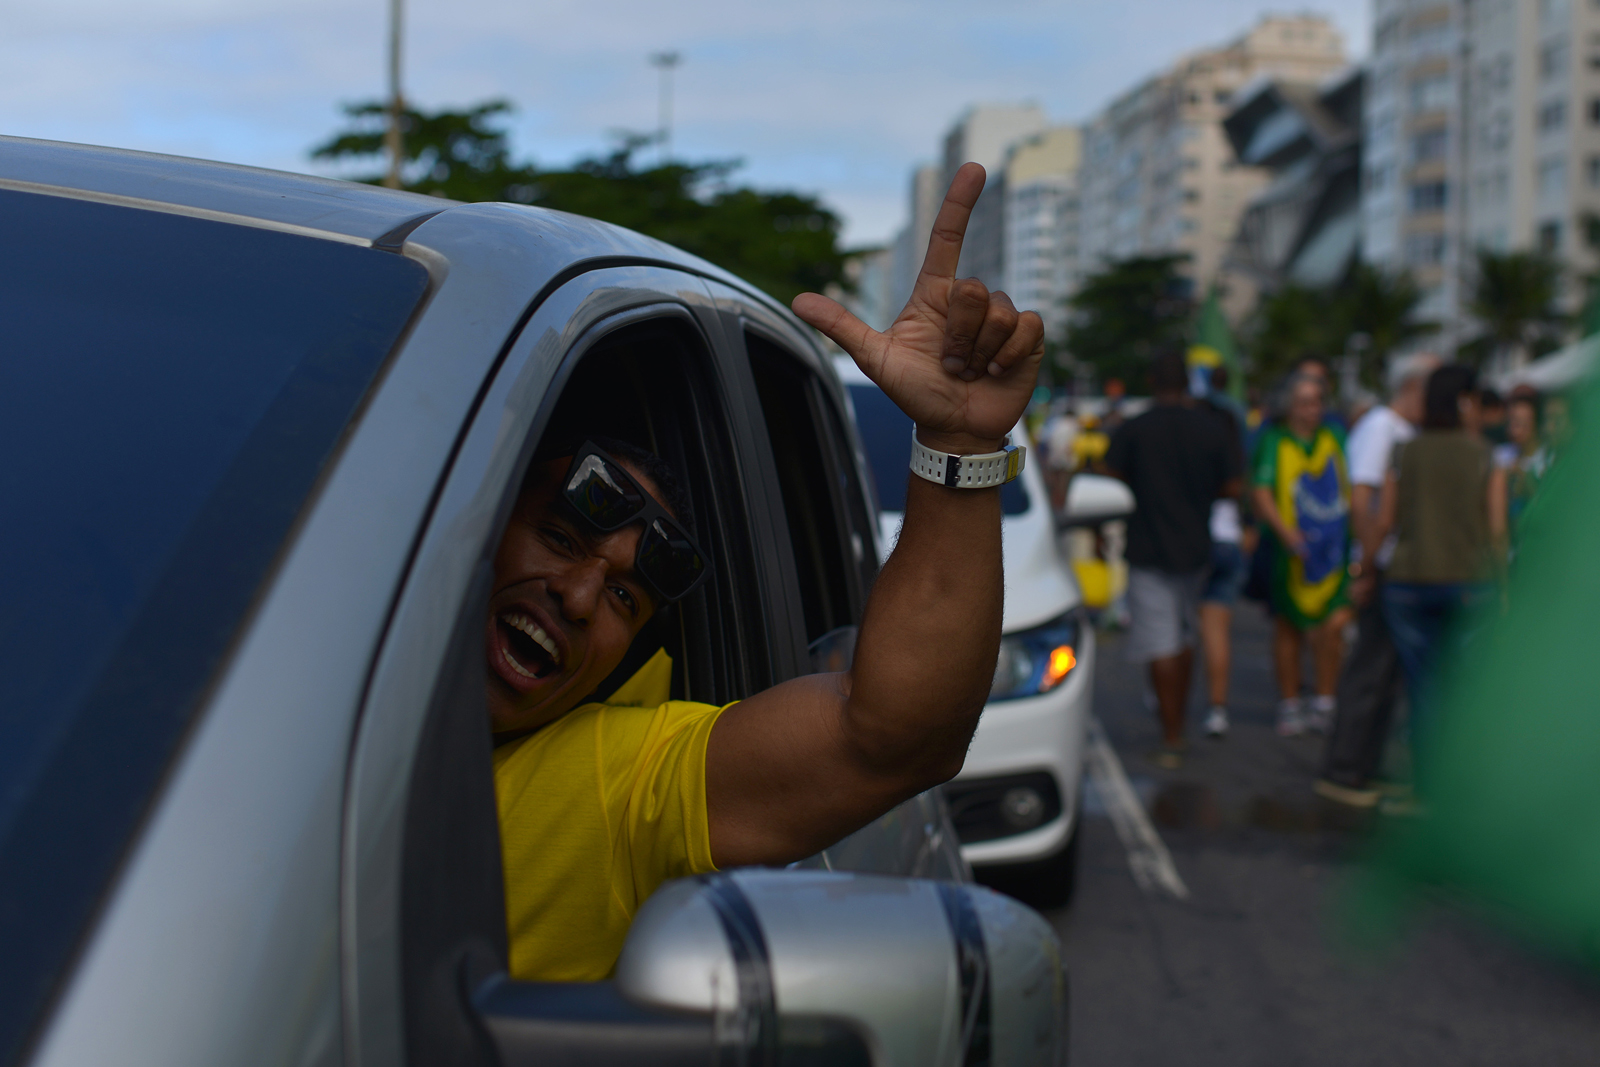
point(1252, 968)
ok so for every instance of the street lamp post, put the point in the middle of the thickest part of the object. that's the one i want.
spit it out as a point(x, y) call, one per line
point(394, 137)
point(664, 62)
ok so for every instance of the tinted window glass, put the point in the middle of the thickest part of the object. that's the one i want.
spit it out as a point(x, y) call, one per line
point(886, 435)
point(170, 389)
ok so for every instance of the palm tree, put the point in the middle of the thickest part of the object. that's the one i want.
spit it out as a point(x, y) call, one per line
point(1381, 304)
point(1514, 296)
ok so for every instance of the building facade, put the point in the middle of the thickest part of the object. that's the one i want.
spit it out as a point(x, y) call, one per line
point(1411, 199)
point(1158, 174)
point(1532, 162)
point(924, 196)
point(985, 134)
point(1304, 226)
point(1041, 224)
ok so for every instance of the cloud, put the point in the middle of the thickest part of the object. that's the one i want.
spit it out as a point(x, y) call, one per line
point(834, 97)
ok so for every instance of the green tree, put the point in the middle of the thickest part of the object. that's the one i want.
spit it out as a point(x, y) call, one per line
point(1294, 323)
point(783, 241)
point(1514, 295)
point(1382, 305)
point(1290, 324)
point(1123, 314)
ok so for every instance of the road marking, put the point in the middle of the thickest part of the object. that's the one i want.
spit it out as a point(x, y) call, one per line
point(1148, 857)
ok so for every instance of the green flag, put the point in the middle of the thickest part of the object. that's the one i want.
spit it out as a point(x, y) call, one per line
point(1510, 817)
point(1213, 345)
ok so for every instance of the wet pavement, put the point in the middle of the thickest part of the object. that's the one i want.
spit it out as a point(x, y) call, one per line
point(1252, 969)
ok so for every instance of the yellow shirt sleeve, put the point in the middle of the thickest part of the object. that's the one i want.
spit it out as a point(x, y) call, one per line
point(597, 810)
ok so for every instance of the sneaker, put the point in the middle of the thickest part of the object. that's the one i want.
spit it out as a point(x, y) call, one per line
point(1320, 719)
point(1217, 722)
point(1349, 796)
point(1290, 721)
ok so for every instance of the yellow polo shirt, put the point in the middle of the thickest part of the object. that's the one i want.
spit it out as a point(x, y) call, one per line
point(597, 809)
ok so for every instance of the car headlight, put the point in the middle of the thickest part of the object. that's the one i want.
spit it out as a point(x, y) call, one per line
point(1036, 661)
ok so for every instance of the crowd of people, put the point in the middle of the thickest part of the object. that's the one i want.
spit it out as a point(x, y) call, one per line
point(1373, 533)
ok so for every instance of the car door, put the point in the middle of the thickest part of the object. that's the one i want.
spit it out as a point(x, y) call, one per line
point(423, 901)
point(828, 547)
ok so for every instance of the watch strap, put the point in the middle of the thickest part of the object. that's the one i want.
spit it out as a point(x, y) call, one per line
point(982, 471)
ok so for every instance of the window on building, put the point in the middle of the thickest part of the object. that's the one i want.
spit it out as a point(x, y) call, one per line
point(1429, 196)
point(1428, 145)
point(1553, 59)
point(1552, 116)
point(1552, 177)
point(1424, 249)
point(1594, 111)
point(1378, 177)
point(1593, 170)
point(1221, 96)
point(1550, 237)
point(1432, 93)
point(1191, 195)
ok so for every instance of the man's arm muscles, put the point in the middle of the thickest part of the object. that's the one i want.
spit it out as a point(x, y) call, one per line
point(815, 758)
point(793, 769)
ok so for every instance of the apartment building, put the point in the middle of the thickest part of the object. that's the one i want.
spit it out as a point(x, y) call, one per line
point(1532, 159)
point(1158, 173)
point(1041, 224)
point(985, 134)
point(1411, 201)
point(923, 197)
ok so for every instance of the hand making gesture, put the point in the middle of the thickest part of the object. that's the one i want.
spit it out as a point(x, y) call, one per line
point(960, 360)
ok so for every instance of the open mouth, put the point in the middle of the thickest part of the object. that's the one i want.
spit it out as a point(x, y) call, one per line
point(529, 651)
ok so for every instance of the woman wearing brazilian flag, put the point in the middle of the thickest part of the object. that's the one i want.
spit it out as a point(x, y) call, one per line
point(1302, 493)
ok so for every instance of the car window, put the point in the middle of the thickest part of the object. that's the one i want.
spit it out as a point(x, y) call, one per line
point(170, 391)
point(886, 435)
point(823, 503)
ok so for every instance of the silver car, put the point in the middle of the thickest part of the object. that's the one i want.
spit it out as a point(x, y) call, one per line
point(261, 434)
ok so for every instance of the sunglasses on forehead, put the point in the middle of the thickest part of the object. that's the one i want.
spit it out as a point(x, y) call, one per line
point(607, 498)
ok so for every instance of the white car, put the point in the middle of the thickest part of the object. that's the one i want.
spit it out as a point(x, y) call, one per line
point(1015, 801)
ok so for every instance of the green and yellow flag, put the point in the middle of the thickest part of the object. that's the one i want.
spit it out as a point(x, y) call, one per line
point(1213, 345)
point(1510, 816)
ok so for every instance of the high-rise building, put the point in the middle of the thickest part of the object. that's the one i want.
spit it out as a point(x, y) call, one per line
point(984, 134)
point(1158, 174)
point(1411, 201)
point(911, 243)
point(1532, 159)
point(1041, 224)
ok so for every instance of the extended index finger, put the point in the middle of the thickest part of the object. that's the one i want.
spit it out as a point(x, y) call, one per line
point(950, 225)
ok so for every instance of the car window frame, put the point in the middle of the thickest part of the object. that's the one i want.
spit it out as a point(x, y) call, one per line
point(448, 573)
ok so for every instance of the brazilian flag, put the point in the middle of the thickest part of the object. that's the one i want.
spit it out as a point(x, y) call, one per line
point(1511, 816)
point(1310, 488)
point(1213, 345)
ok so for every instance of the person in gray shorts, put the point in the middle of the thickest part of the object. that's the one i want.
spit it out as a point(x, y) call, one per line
point(1177, 459)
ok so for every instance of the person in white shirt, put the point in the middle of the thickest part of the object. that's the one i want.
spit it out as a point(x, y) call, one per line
point(1371, 681)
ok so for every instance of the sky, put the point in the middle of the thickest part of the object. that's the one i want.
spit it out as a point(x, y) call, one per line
point(837, 98)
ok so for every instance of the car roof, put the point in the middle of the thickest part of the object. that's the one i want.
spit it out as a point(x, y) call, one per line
point(324, 207)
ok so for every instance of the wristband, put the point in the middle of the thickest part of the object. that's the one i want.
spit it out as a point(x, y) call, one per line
point(982, 471)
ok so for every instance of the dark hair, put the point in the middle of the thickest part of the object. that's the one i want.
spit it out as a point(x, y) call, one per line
point(1491, 399)
point(657, 470)
point(1169, 373)
point(1441, 405)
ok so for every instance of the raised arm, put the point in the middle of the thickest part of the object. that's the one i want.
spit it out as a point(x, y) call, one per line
point(792, 769)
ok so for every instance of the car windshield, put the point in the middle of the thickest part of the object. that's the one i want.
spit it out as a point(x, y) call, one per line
point(171, 389)
point(886, 435)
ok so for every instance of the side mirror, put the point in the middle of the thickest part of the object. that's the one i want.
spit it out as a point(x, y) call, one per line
point(926, 972)
point(799, 968)
point(1094, 498)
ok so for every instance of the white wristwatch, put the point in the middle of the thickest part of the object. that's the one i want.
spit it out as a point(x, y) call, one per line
point(982, 471)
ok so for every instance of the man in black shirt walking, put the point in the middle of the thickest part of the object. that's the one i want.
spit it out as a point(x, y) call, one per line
point(1177, 460)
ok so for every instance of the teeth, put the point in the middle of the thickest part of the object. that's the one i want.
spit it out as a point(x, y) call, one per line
point(536, 634)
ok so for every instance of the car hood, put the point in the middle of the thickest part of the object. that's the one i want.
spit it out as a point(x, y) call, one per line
point(1039, 581)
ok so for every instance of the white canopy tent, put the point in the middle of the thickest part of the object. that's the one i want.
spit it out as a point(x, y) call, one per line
point(1557, 371)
